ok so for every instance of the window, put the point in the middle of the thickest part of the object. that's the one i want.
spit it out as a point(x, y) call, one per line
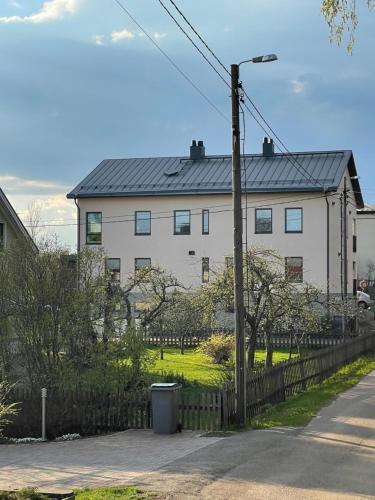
point(293, 220)
point(182, 222)
point(142, 263)
point(263, 220)
point(113, 269)
point(228, 262)
point(142, 223)
point(294, 269)
point(205, 269)
point(205, 221)
point(93, 228)
point(2, 236)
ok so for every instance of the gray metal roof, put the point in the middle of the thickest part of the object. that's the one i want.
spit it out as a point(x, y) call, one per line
point(295, 172)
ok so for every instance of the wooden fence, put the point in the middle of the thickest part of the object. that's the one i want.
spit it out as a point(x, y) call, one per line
point(82, 412)
point(100, 412)
point(274, 385)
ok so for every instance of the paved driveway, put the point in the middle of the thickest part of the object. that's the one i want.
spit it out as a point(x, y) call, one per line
point(113, 459)
point(332, 458)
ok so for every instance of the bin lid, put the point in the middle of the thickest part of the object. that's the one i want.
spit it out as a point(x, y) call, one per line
point(165, 386)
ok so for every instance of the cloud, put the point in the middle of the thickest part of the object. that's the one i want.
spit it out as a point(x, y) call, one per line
point(51, 10)
point(298, 86)
point(159, 35)
point(15, 4)
point(13, 184)
point(98, 39)
point(118, 36)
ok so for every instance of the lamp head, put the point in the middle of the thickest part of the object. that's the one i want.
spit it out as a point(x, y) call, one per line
point(264, 59)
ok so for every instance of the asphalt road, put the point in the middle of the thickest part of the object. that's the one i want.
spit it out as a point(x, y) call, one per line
point(333, 457)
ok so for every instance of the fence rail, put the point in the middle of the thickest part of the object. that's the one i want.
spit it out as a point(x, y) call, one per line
point(279, 341)
point(101, 412)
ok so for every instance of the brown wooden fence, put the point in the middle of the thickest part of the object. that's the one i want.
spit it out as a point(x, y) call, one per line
point(274, 385)
point(279, 341)
point(100, 412)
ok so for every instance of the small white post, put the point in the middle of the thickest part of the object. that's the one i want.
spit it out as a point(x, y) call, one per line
point(44, 396)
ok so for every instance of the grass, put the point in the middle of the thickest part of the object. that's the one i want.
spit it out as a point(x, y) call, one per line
point(197, 367)
point(114, 493)
point(299, 409)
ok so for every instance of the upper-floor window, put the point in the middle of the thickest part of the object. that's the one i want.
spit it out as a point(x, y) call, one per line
point(294, 269)
point(93, 228)
point(142, 263)
point(182, 222)
point(263, 220)
point(205, 221)
point(205, 269)
point(113, 268)
point(2, 236)
point(143, 222)
point(293, 220)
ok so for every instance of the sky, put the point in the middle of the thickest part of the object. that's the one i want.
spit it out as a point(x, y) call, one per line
point(80, 83)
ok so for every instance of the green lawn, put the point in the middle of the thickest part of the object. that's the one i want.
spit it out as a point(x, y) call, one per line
point(114, 493)
point(196, 367)
point(298, 410)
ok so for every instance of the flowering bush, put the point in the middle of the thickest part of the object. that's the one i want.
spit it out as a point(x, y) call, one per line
point(68, 437)
point(219, 347)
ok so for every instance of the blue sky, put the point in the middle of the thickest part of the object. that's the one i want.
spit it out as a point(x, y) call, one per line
point(79, 84)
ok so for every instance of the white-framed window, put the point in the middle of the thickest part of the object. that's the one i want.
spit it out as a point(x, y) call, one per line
point(181, 222)
point(205, 269)
point(294, 220)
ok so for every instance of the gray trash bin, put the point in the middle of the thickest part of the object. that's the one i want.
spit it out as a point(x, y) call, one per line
point(164, 400)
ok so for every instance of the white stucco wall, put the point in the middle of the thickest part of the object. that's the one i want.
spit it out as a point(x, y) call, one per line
point(172, 251)
point(366, 246)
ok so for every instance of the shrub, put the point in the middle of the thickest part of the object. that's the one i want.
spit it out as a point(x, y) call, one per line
point(25, 494)
point(218, 347)
point(7, 410)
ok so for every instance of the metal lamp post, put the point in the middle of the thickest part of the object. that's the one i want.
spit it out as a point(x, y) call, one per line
point(237, 240)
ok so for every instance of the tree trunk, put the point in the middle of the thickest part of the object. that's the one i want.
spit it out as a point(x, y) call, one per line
point(182, 345)
point(269, 347)
point(251, 350)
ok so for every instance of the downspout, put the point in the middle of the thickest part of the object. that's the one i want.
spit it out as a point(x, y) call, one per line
point(328, 257)
point(78, 225)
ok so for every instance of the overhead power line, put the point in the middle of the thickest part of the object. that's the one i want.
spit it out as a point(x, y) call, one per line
point(172, 62)
point(171, 215)
point(270, 132)
point(200, 37)
point(193, 43)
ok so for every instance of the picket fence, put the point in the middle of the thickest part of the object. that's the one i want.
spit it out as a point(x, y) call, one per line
point(279, 341)
point(89, 413)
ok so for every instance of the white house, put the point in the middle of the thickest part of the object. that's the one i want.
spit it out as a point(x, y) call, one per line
point(11, 227)
point(177, 212)
point(366, 243)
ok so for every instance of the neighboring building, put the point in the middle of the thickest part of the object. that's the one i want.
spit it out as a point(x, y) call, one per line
point(366, 243)
point(177, 212)
point(11, 227)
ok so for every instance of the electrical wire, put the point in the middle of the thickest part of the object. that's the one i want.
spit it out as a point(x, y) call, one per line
point(200, 37)
point(172, 215)
point(172, 62)
point(193, 43)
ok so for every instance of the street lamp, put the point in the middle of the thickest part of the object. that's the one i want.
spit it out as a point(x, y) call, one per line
point(239, 310)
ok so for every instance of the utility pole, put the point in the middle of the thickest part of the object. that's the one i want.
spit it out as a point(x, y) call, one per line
point(345, 230)
point(345, 252)
point(237, 252)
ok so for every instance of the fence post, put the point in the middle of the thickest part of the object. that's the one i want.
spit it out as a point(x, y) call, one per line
point(224, 409)
point(44, 396)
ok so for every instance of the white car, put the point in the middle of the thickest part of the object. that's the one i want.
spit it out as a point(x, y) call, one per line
point(363, 300)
